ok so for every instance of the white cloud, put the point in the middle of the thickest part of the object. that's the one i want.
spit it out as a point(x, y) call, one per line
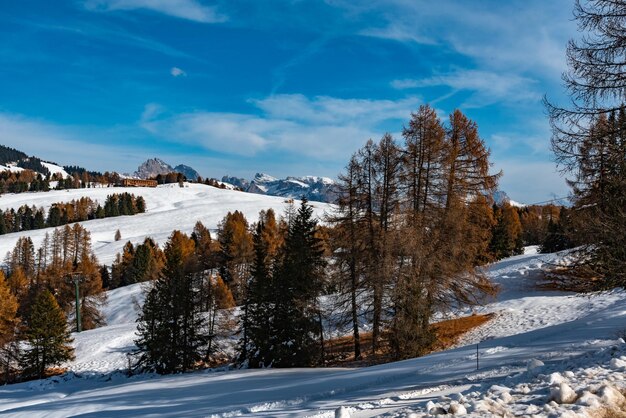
point(183, 9)
point(399, 32)
point(331, 110)
point(323, 128)
point(177, 72)
point(487, 87)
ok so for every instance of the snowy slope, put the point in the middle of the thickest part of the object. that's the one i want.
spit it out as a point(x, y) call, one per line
point(574, 336)
point(169, 207)
point(55, 169)
point(12, 168)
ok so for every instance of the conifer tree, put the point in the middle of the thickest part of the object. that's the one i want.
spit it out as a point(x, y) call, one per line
point(557, 238)
point(172, 331)
point(298, 282)
point(347, 242)
point(204, 248)
point(18, 283)
point(235, 252)
point(49, 341)
point(257, 322)
point(8, 328)
point(219, 316)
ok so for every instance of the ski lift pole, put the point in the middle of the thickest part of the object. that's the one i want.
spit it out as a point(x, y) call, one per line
point(77, 278)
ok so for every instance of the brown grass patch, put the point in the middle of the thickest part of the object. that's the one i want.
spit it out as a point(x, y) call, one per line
point(449, 332)
point(340, 351)
point(609, 413)
point(615, 412)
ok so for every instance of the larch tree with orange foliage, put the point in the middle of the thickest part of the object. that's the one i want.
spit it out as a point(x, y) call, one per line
point(8, 330)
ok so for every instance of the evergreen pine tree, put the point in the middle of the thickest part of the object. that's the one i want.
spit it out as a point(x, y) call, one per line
point(171, 328)
point(48, 337)
point(140, 204)
point(298, 283)
point(257, 322)
point(54, 216)
point(3, 227)
point(556, 238)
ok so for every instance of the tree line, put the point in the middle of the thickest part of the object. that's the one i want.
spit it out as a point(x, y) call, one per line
point(28, 218)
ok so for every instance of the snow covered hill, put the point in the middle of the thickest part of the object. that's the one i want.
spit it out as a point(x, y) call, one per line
point(55, 169)
point(546, 354)
point(169, 207)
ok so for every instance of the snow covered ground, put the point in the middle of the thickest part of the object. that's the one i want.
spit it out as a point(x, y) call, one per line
point(169, 207)
point(545, 354)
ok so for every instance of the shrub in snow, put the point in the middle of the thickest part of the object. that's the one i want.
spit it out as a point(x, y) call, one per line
point(562, 394)
point(457, 409)
point(534, 367)
point(342, 412)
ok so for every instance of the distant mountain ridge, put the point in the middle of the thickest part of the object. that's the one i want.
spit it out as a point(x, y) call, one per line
point(500, 197)
point(155, 166)
point(320, 189)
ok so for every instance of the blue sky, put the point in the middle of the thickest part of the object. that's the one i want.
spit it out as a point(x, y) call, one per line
point(287, 87)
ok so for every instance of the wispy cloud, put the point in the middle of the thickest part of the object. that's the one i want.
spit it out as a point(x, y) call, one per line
point(183, 9)
point(104, 32)
point(177, 72)
point(526, 35)
point(323, 128)
point(399, 32)
point(486, 87)
point(67, 145)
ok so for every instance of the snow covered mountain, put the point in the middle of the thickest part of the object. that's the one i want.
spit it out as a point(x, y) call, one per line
point(500, 196)
point(155, 166)
point(152, 168)
point(320, 189)
point(187, 171)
